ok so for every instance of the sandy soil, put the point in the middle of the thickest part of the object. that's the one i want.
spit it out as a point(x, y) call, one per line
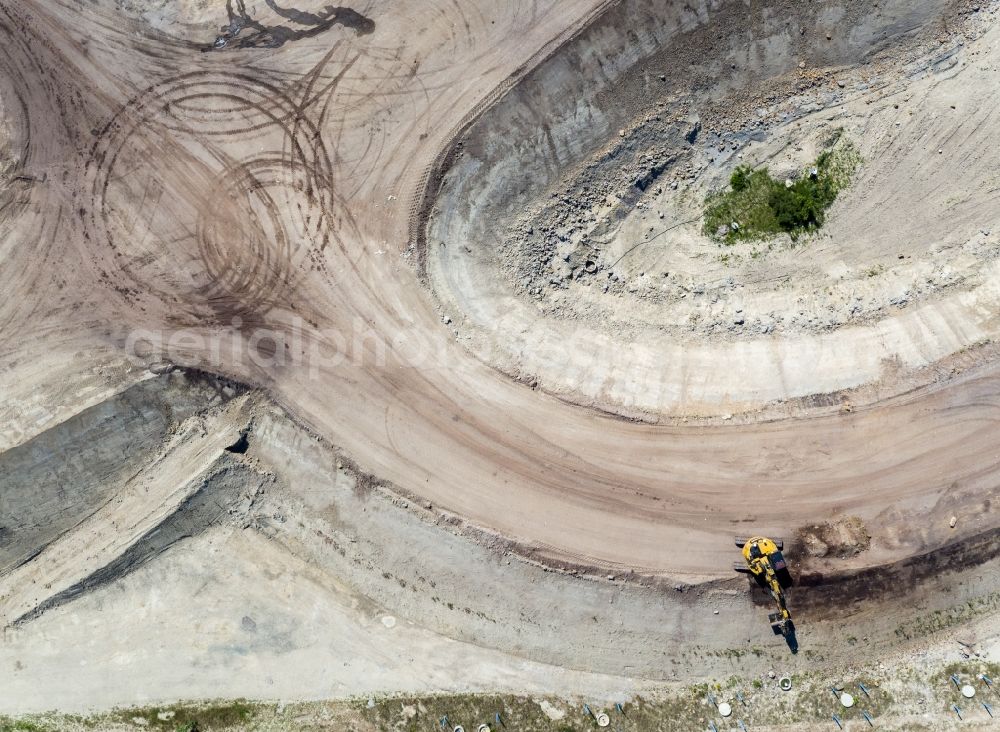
point(579, 484)
point(245, 203)
point(265, 626)
point(305, 579)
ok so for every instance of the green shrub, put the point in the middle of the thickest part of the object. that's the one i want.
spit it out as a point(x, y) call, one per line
point(762, 207)
point(740, 179)
point(796, 207)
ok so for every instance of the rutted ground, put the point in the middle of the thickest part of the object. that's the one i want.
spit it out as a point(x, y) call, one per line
point(250, 209)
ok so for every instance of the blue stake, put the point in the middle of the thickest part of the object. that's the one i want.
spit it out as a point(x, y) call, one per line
point(739, 696)
point(868, 718)
point(835, 692)
point(986, 679)
point(865, 690)
point(957, 710)
point(837, 720)
point(956, 682)
point(500, 721)
point(741, 725)
point(711, 698)
point(444, 721)
point(988, 708)
point(712, 725)
point(586, 708)
point(620, 708)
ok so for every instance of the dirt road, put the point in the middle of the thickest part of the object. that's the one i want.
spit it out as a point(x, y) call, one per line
point(248, 210)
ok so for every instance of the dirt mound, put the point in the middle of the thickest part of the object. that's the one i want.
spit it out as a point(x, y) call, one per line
point(843, 538)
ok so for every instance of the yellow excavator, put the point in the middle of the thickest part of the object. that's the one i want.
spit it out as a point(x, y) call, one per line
point(764, 561)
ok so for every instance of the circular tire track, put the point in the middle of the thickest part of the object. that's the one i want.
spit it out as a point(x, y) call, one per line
point(36, 96)
point(249, 259)
point(186, 221)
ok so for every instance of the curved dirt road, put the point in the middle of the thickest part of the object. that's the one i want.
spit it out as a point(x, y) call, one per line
point(248, 210)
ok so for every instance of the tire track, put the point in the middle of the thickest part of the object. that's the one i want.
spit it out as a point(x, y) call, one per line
point(241, 233)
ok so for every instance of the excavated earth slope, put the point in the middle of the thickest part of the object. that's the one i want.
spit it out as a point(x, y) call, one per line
point(566, 240)
point(365, 500)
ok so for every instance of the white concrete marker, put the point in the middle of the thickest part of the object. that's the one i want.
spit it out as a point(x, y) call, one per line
point(968, 692)
point(725, 710)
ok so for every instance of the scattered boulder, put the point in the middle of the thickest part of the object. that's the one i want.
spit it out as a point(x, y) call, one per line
point(161, 367)
point(693, 129)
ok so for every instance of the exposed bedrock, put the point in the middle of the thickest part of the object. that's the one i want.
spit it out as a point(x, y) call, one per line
point(540, 201)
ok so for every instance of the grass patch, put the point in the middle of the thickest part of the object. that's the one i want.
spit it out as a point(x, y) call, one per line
point(24, 726)
point(967, 671)
point(680, 713)
point(680, 709)
point(236, 715)
point(938, 620)
point(762, 207)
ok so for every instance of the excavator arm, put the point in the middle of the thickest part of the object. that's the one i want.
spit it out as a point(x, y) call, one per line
point(781, 621)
